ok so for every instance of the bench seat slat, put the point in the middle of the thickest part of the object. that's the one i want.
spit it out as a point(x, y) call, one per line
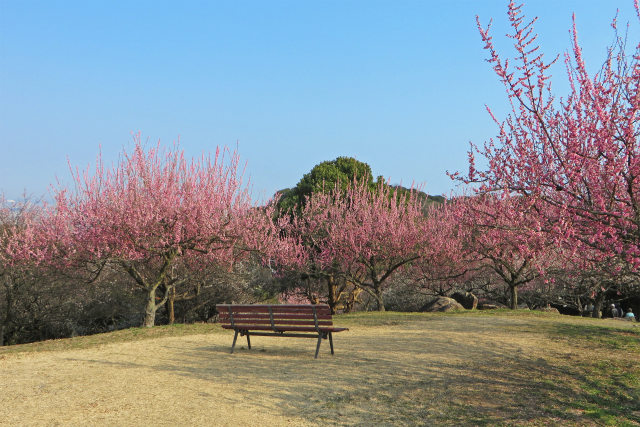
point(276, 306)
point(320, 308)
point(225, 316)
point(299, 322)
point(250, 327)
point(278, 312)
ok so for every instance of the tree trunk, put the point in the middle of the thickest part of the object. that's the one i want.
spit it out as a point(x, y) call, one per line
point(1, 335)
point(597, 306)
point(579, 303)
point(170, 301)
point(151, 287)
point(351, 300)
point(378, 297)
point(514, 297)
point(332, 297)
point(150, 309)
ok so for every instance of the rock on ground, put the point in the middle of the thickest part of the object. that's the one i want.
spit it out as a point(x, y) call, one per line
point(490, 305)
point(442, 304)
point(468, 300)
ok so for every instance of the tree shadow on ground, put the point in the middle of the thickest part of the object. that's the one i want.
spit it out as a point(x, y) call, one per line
point(396, 376)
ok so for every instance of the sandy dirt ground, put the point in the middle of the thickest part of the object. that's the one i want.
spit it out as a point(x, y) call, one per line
point(193, 380)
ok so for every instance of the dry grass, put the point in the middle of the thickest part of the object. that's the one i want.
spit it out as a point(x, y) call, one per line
point(389, 369)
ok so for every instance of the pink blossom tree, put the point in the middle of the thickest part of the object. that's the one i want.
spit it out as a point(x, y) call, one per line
point(445, 261)
point(154, 210)
point(579, 156)
point(366, 236)
point(311, 225)
point(582, 271)
point(505, 236)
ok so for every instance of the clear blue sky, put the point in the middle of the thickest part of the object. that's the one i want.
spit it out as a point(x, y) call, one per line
point(398, 84)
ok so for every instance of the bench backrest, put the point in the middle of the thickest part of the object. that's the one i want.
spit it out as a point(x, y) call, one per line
point(275, 315)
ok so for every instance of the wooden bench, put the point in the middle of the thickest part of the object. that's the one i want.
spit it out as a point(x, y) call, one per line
point(286, 320)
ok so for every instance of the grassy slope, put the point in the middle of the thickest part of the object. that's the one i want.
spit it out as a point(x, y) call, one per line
point(501, 367)
point(125, 335)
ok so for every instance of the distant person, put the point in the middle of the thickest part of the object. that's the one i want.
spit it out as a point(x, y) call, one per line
point(614, 311)
point(629, 315)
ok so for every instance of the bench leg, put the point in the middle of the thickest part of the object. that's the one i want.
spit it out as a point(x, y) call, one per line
point(318, 346)
point(248, 340)
point(331, 341)
point(235, 337)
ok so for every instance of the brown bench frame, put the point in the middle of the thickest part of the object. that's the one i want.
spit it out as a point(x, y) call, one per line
point(280, 320)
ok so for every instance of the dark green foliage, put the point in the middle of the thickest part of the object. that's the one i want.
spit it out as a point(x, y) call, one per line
point(426, 200)
point(324, 177)
point(342, 171)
